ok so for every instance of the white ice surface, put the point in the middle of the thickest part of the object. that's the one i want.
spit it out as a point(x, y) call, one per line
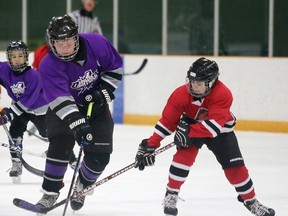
point(206, 191)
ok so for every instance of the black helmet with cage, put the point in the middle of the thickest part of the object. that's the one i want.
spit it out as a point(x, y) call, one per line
point(17, 46)
point(62, 28)
point(202, 70)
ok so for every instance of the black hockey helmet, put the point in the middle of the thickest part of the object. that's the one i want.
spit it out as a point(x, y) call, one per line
point(61, 28)
point(21, 46)
point(202, 70)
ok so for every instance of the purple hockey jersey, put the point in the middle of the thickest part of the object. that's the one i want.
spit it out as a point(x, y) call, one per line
point(25, 90)
point(67, 83)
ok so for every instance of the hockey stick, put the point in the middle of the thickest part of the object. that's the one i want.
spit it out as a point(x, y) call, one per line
point(14, 148)
point(73, 179)
point(139, 69)
point(34, 208)
point(32, 133)
point(24, 163)
point(89, 111)
point(31, 169)
point(119, 172)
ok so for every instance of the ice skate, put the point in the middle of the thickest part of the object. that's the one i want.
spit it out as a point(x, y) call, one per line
point(256, 208)
point(48, 199)
point(16, 170)
point(77, 203)
point(169, 203)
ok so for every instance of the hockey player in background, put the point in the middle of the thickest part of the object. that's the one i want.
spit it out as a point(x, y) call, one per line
point(199, 113)
point(82, 68)
point(39, 54)
point(24, 87)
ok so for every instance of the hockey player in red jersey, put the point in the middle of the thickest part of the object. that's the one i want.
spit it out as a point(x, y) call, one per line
point(39, 54)
point(199, 113)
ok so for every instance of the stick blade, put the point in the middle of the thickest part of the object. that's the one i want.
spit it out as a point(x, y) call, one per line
point(139, 69)
point(29, 206)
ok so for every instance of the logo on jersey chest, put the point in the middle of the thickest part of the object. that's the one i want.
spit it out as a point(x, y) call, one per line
point(202, 114)
point(85, 82)
point(18, 89)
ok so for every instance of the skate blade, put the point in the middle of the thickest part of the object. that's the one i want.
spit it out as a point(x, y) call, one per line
point(16, 179)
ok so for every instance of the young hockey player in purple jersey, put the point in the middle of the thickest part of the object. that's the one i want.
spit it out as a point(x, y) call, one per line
point(79, 69)
point(24, 87)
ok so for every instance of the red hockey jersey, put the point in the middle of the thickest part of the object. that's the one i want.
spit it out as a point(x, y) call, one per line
point(212, 114)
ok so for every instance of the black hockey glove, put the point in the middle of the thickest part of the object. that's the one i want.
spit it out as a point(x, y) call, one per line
point(100, 96)
point(6, 115)
point(181, 138)
point(81, 129)
point(144, 155)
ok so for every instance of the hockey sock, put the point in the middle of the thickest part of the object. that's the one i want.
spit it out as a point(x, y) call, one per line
point(240, 179)
point(180, 166)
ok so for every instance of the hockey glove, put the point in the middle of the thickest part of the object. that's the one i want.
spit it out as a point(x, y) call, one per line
point(6, 115)
point(81, 129)
point(144, 155)
point(181, 138)
point(100, 96)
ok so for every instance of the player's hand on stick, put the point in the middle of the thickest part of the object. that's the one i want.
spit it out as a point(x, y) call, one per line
point(80, 128)
point(144, 156)
point(6, 115)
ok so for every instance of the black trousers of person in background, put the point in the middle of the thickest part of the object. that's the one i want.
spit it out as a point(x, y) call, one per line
point(19, 125)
